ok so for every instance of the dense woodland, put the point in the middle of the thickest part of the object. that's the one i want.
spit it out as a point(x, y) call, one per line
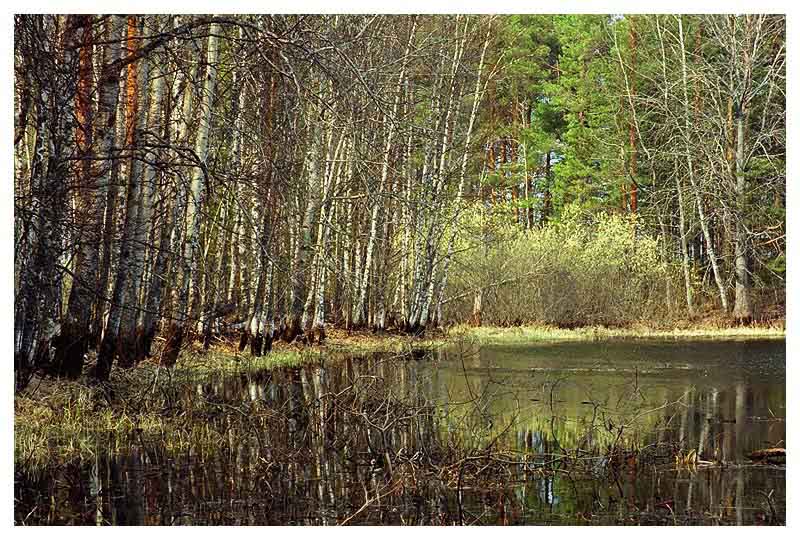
point(181, 176)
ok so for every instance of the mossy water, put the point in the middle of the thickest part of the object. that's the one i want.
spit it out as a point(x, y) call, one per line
point(518, 434)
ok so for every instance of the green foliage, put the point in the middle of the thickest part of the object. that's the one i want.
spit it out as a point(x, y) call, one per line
point(588, 167)
point(562, 80)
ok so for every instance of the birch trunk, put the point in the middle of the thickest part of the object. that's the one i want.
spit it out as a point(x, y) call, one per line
point(304, 241)
point(191, 246)
point(307, 319)
point(476, 99)
point(77, 333)
point(358, 314)
point(129, 339)
point(427, 288)
point(687, 277)
point(222, 273)
point(182, 138)
point(154, 293)
point(111, 343)
point(323, 234)
point(111, 203)
point(35, 321)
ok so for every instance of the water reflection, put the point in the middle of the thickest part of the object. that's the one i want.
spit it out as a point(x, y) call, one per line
point(388, 440)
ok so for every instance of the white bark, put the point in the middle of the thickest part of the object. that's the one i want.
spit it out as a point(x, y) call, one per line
point(476, 99)
point(427, 275)
point(687, 278)
point(137, 233)
point(191, 253)
point(150, 187)
point(300, 268)
point(391, 128)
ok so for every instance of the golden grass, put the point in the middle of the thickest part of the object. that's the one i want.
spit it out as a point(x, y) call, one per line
point(523, 334)
point(226, 361)
point(340, 344)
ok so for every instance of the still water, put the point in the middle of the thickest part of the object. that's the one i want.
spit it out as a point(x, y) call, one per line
point(560, 433)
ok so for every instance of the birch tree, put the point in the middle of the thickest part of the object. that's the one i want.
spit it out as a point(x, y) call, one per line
point(191, 247)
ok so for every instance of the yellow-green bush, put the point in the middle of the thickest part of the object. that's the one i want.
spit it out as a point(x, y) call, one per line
point(585, 269)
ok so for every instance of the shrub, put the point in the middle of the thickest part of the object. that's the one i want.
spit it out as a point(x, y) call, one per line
point(583, 270)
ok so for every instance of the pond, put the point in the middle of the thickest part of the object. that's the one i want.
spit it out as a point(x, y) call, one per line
point(609, 432)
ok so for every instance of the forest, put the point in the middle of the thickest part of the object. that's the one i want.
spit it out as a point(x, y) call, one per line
point(179, 178)
point(399, 269)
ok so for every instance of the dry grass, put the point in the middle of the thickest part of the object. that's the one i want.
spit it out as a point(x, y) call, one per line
point(225, 356)
point(61, 421)
point(58, 421)
point(523, 334)
point(363, 342)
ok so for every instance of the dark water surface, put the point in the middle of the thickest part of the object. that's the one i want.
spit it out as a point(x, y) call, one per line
point(567, 433)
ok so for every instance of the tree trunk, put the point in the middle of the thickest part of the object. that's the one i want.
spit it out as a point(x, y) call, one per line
point(547, 205)
point(191, 247)
point(695, 188)
point(476, 99)
point(364, 278)
point(36, 315)
point(182, 138)
point(633, 157)
point(111, 343)
point(154, 293)
point(300, 268)
point(76, 332)
point(742, 310)
point(112, 188)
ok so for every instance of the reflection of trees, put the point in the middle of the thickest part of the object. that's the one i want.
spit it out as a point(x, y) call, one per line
point(390, 440)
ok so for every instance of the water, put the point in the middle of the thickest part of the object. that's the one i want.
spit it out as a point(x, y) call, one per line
point(496, 435)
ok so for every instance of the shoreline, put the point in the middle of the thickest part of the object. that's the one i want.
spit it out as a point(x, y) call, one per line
point(52, 418)
point(341, 343)
point(494, 335)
